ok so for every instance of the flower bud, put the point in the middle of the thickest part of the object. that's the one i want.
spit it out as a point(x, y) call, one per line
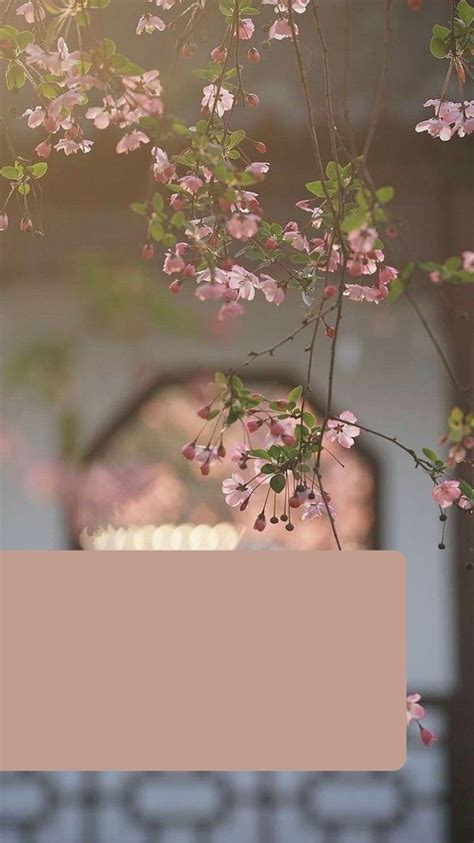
point(253, 425)
point(148, 251)
point(3, 222)
point(330, 332)
point(330, 291)
point(219, 54)
point(270, 244)
point(43, 150)
point(253, 100)
point(204, 412)
point(189, 451)
point(428, 738)
point(294, 501)
point(187, 50)
point(288, 439)
point(260, 523)
point(205, 469)
point(221, 451)
point(26, 224)
point(253, 55)
point(176, 286)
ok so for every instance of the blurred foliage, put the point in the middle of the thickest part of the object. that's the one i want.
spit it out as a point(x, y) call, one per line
point(127, 301)
point(41, 367)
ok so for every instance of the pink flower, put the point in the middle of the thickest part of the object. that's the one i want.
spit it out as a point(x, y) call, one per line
point(450, 118)
point(219, 98)
point(244, 281)
point(235, 490)
point(272, 291)
point(281, 29)
point(131, 141)
point(281, 430)
point(414, 710)
point(173, 263)
point(230, 310)
point(356, 292)
point(32, 12)
point(258, 169)
point(189, 451)
point(243, 226)
point(163, 169)
point(149, 23)
point(343, 431)
point(387, 274)
point(468, 261)
point(246, 29)
point(444, 494)
point(206, 455)
point(428, 738)
point(3, 221)
point(435, 277)
point(260, 523)
point(362, 239)
point(315, 508)
point(70, 147)
point(209, 292)
point(237, 452)
point(191, 183)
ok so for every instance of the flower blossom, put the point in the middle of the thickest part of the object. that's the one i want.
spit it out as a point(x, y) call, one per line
point(218, 99)
point(246, 29)
point(468, 261)
point(150, 23)
point(450, 118)
point(131, 141)
point(272, 291)
point(343, 430)
point(415, 711)
point(163, 168)
point(281, 29)
point(235, 490)
point(71, 147)
point(446, 493)
point(243, 226)
point(31, 12)
point(316, 507)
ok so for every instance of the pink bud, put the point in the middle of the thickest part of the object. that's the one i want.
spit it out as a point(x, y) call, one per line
point(189, 451)
point(330, 291)
point(253, 55)
point(294, 501)
point(187, 51)
point(50, 125)
point(428, 738)
point(43, 150)
point(253, 100)
point(189, 270)
point(203, 412)
point(392, 232)
point(148, 251)
point(205, 469)
point(330, 332)
point(260, 523)
point(288, 439)
point(260, 147)
point(3, 222)
point(221, 452)
point(270, 244)
point(219, 54)
point(253, 425)
point(26, 224)
point(176, 286)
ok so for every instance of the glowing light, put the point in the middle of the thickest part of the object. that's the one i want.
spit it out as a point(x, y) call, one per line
point(223, 536)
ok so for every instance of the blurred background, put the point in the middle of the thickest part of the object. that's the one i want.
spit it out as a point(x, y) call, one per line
point(103, 369)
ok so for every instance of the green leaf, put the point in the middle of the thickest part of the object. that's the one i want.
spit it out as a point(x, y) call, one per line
point(38, 170)
point(278, 483)
point(440, 31)
point(15, 77)
point(315, 187)
point(9, 173)
point(23, 188)
point(295, 394)
point(220, 378)
point(98, 4)
point(309, 419)
point(8, 33)
point(438, 48)
point(267, 469)
point(157, 202)
point(156, 230)
point(466, 489)
point(429, 454)
point(452, 264)
point(24, 38)
point(385, 194)
point(138, 208)
point(236, 137)
point(354, 220)
point(331, 170)
point(465, 12)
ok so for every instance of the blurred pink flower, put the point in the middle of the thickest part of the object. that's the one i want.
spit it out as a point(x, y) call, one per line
point(444, 494)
